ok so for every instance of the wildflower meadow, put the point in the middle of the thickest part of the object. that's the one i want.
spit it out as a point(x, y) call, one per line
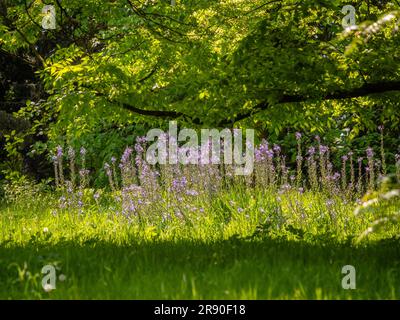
point(172, 231)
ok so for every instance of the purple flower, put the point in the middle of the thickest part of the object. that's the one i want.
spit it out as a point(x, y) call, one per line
point(380, 128)
point(59, 151)
point(96, 196)
point(138, 161)
point(397, 157)
point(359, 160)
point(262, 151)
point(323, 149)
point(336, 176)
point(345, 158)
point(329, 202)
point(264, 145)
point(318, 138)
point(258, 155)
point(179, 184)
point(71, 152)
point(311, 151)
point(277, 148)
point(141, 139)
point(82, 151)
point(127, 153)
point(192, 193)
point(240, 210)
point(350, 154)
point(139, 148)
point(298, 135)
point(132, 207)
point(370, 152)
point(113, 159)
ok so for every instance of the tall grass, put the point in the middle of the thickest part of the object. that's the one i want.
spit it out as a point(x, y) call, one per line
point(199, 231)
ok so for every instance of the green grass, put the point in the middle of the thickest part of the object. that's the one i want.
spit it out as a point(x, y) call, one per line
point(287, 246)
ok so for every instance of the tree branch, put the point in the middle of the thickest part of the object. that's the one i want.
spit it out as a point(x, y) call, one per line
point(13, 26)
point(150, 74)
point(365, 90)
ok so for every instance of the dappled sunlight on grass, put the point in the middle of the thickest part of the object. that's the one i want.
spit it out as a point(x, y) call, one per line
point(222, 254)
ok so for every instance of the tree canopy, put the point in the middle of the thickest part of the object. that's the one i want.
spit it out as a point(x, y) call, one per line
point(265, 64)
